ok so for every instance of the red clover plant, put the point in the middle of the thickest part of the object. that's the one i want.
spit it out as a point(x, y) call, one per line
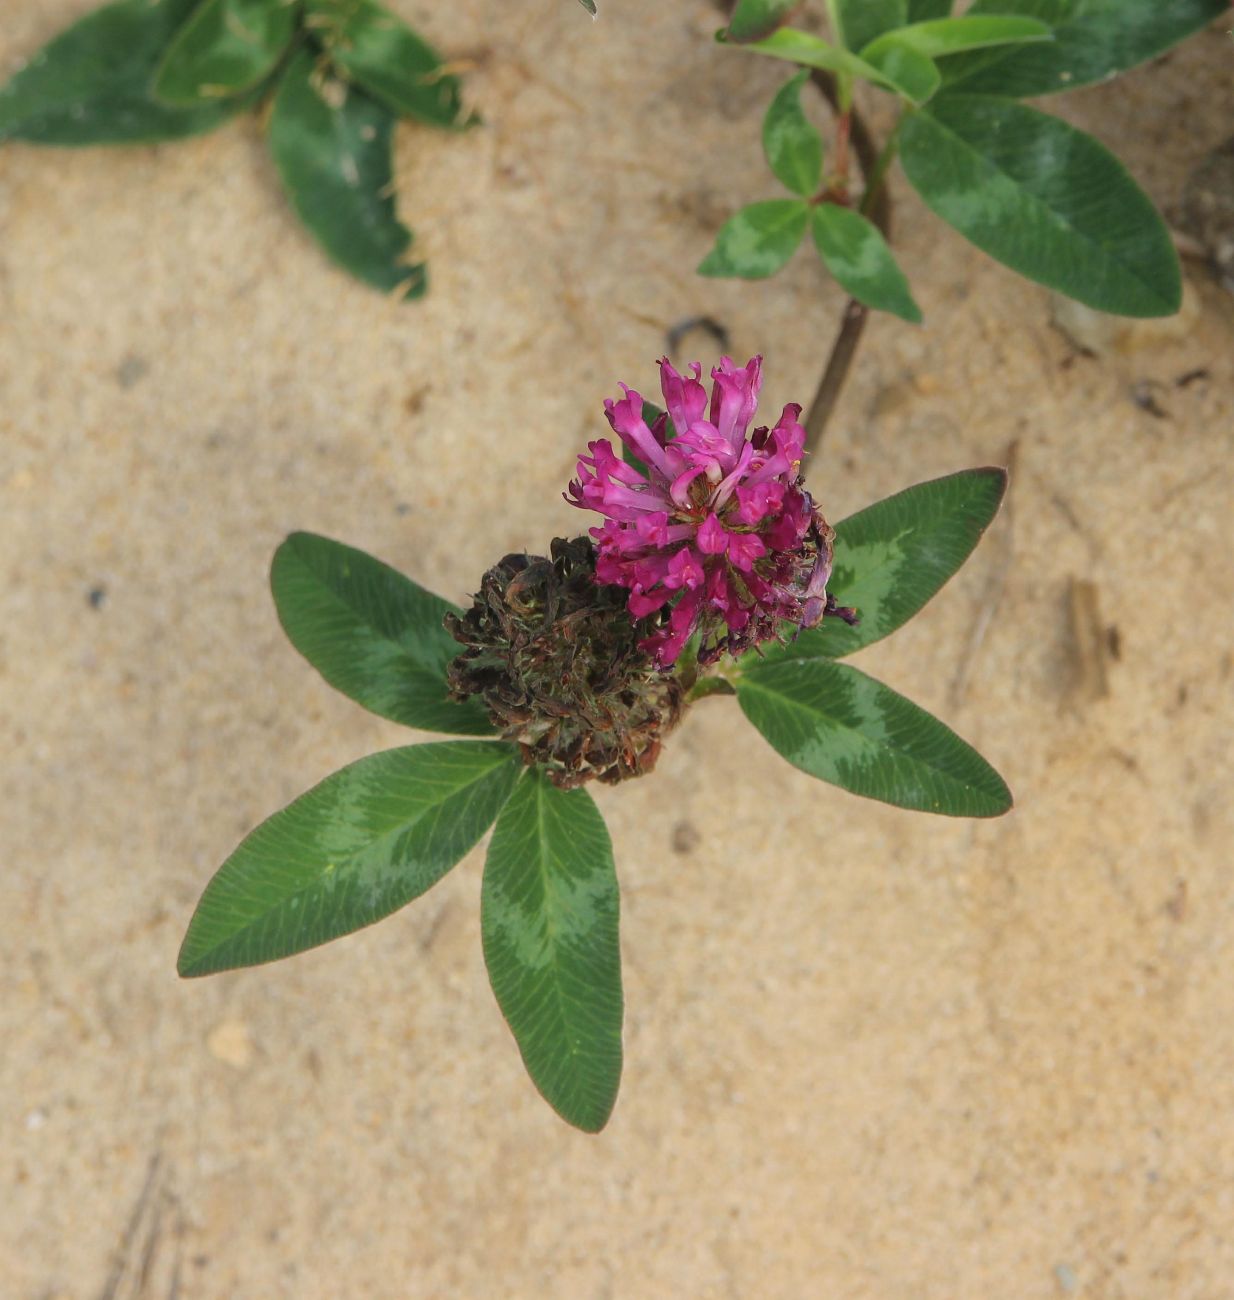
point(713, 573)
point(712, 570)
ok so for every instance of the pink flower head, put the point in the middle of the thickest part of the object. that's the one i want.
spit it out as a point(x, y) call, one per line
point(718, 535)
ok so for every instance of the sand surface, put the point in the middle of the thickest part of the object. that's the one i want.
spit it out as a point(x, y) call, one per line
point(869, 1054)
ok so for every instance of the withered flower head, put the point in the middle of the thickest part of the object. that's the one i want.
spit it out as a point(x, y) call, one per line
point(556, 659)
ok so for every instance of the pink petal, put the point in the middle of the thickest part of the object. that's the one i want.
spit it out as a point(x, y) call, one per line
point(754, 504)
point(684, 570)
point(685, 399)
point(680, 489)
point(725, 490)
point(641, 604)
point(712, 536)
point(744, 549)
point(626, 417)
point(734, 397)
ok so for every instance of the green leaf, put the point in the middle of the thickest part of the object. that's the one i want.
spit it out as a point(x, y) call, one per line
point(589, 5)
point(904, 67)
point(1093, 40)
point(753, 20)
point(371, 633)
point(1046, 200)
point(549, 914)
point(857, 255)
point(811, 52)
point(758, 240)
point(381, 53)
point(841, 726)
point(334, 160)
point(226, 47)
point(91, 84)
point(920, 11)
point(353, 849)
point(862, 20)
point(894, 556)
point(792, 143)
point(950, 35)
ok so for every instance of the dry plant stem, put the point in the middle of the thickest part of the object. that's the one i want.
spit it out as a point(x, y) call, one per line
point(875, 205)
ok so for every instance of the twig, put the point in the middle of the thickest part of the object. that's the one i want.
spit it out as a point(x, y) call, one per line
point(996, 583)
point(128, 1241)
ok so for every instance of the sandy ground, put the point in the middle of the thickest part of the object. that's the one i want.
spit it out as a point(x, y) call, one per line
point(870, 1054)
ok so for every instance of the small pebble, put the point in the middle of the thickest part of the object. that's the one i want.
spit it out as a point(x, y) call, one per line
point(230, 1042)
point(132, 370)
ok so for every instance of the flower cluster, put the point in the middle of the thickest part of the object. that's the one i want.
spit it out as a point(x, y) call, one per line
point(716, 533)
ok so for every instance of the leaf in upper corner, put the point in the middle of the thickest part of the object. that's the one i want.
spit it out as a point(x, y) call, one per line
point(837, 724)
point(372, 633)
point(353, 849)
point(332, 147)
point(1093, 40)
point(758, 240)
point(909, 75)
point(944, 36)
point(862, 20)
point(920, 11)
point(753, 20)
point(792, 143)
point(549, 920)
point(378, 51)
point(855, 252)
point(225, 48)
point(914, 74)
point(1044, 199)
point(91, 83)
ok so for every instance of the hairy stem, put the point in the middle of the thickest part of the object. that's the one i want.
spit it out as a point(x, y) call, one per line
point(875, 205)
